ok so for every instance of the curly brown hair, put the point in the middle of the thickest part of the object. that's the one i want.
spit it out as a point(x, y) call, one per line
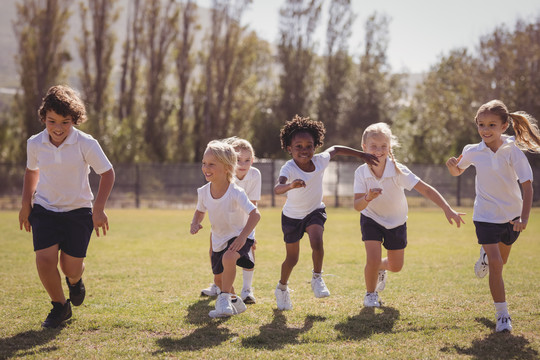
point(64, 101)
point(302, 124)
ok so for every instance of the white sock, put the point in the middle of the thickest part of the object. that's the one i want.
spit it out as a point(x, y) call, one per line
point(281, 286)
point(317, 275)
point(247, 277)
point(501, 308)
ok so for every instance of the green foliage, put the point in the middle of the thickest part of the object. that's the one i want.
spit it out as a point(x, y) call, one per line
point(143, 281)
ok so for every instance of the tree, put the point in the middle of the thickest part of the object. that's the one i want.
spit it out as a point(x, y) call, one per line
point(40, 28)
point(377, 90)
point(96, 50)
point(440, 119)
point(160, 28)
point(296, 54)
point(338, 66)
point(184, 69)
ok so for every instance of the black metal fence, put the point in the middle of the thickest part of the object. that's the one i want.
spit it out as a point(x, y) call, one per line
point(174, 185)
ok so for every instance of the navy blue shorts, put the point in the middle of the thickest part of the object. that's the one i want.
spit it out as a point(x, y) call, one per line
point(490, 233)
point(294, 229)
point(245, 261)
point(392, 239)
point(71, 230)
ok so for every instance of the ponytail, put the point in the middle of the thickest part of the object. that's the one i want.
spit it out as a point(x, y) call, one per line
point(527, 133)
point(398, 170)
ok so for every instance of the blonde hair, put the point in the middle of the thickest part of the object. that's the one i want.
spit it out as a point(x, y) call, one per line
point(240, 144)
point(225, 154)
point(382, 128)
point(525, 125)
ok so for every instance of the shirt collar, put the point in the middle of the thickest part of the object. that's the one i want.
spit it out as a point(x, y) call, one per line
point(507, 141)
point(71, 138)
point(389, 169)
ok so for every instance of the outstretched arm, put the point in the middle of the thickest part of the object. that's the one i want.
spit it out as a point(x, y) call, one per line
point(430, 193)
point(347, 151)
point(452, 163)
point(282, 187)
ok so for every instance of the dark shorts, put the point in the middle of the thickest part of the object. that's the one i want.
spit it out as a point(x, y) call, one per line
point(392, 239)
point(490, 233)
point(71, 230)
point(294, 229)
point(245, 261)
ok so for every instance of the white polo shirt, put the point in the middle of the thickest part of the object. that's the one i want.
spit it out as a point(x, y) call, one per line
point(226, 214)
point(390, 208)
point(498, 197)
point(251, 183)
point(301, 201)
point(63, 171)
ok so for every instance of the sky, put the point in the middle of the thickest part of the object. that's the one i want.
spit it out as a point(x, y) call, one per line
point(420, 31)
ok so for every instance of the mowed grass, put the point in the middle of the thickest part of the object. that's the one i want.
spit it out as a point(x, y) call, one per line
point(144, 279)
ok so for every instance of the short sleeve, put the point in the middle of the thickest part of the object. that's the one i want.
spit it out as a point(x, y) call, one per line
point(359, 181)
point(31, 156)
point(243, 201)
point(255, 191)
point(95, 157)
point(407, 178)
point(521, 166)
point(466, 159)
point(200, 200)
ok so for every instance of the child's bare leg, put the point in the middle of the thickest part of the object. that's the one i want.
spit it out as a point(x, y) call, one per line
point(72, 267)
point(393, 261)
point(47, 267)
point(496, 282)
point(291, 259)
point(315, 233)
point(373, 264)
point(505, 251)
point(229, 271)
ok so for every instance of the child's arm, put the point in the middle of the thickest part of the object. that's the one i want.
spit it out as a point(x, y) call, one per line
point(362, 200)
point(347, 151)
point(196, 222)
point(99, 217)
point(282, 187)
point(31, 178)
point(521, 223)
point(253, 219)
point(452, 163)
point(430, 193)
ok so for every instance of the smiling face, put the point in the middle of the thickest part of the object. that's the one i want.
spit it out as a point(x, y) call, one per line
point(377, 144)
point(213, 170)
point(491, 127)
point(58, 127)
point(302, 149)
point(245, 160)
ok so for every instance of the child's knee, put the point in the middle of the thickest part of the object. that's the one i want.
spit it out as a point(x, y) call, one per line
point(317, 244)
point(395, 267)
point(45, 260)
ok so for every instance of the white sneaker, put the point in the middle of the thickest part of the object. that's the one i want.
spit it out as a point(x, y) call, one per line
point(212, 290)
point(372, 300)
point(224, 306)
point(481, 268)
point(504, 323)
point(319, 287)
point(247, 296)
point(283, 299)
point(381, 281)
point(238, 305)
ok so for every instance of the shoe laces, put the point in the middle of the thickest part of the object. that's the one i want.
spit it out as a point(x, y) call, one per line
point(57, 309)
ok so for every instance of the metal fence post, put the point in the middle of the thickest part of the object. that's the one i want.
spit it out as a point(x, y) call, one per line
point(273, 169)
point(336, 189)
point(137, 187)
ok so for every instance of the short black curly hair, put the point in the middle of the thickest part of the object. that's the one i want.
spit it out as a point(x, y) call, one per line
point(302, 124)
point(64, 101)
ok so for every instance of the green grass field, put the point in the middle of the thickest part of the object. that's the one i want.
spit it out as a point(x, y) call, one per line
point(144, 278)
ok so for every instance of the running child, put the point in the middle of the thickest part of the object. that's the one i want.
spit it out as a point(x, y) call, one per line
point(304, 211)
point(379, 196)
point(227, 205)
point(57, 199)
point(249, 179)
point(500, 211)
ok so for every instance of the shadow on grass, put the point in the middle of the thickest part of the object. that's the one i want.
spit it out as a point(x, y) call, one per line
point(207, 336)
point(277, 334)
point(496, 346)
point(28, 340)
point(368, 322)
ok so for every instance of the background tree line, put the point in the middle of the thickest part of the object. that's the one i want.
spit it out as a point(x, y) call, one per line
point(178, 84)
